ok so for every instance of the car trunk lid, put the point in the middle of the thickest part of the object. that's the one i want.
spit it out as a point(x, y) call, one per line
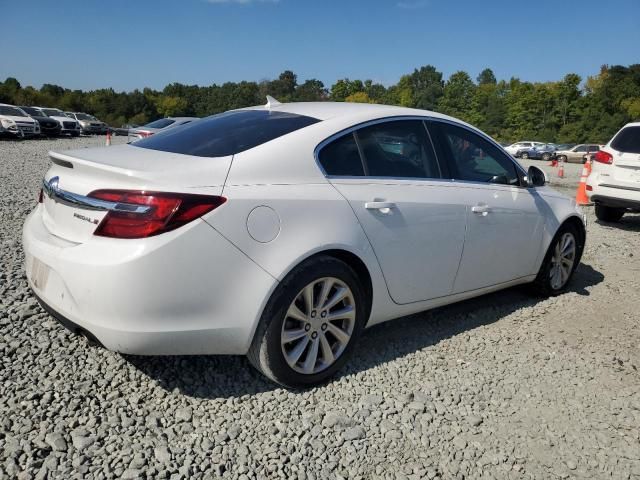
point(75, 174)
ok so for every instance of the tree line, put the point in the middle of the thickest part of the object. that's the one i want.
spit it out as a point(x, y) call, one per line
point(567, 110)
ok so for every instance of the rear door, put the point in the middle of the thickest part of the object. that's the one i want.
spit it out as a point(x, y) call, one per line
point(626, 162)
point(389, 174)
point(504, 221)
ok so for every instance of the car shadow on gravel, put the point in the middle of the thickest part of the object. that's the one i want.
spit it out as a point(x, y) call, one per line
point(629, 222)
point(209, 377)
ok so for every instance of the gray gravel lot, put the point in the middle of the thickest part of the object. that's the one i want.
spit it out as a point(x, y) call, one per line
point(503, 386)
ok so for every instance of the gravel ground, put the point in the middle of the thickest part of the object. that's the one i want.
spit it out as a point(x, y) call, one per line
point(503, 386)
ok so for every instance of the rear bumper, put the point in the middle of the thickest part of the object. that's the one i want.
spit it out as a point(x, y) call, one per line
point(185, 292)
point(618, 196)
point(616, 202)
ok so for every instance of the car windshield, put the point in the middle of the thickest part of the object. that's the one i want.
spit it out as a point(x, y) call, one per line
point(162, 123)
point(52, 112)
point(13, 111)
point(227, 133)
point(83, 116)
point(31, 111)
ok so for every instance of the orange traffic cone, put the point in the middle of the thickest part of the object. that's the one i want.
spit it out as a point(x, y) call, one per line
point(581, 193)
point(108, 142)
point(553, 163)
point(561, 171)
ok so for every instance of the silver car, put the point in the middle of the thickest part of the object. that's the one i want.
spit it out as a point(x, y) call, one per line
point(158, 125)
point(88, 123)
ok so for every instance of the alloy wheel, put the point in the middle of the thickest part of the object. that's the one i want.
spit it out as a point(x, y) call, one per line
point(564, 256)
point(318, 325)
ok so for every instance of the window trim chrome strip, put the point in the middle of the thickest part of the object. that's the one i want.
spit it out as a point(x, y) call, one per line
point(422, 118)
point(89, 203)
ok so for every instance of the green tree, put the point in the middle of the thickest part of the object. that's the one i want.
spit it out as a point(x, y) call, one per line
point(359, 97)
point(486, 77)
point(457, 97)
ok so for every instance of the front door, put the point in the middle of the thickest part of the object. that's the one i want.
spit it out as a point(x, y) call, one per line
point(504, 223)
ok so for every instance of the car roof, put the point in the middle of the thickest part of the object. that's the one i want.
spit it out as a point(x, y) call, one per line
point(183, 118)
point(328, 110)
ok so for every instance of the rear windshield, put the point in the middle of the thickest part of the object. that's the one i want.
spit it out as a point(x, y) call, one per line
point(227, 133)
point(628, 140)
point(163, 122)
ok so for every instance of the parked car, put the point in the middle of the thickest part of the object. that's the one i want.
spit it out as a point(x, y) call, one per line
point(16, 123)
point(545, 152)
point(88, 123)
point(282, 231)
point(565, 146)
point(68, 126)
point(157, 125)
point(123, 130)
point(48, 126)
point(576, 154)
point(614, 182)
point(518, 146)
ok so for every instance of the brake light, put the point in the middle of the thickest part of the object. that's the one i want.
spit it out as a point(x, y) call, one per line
point(589, 188)
point(603, 157)
point(167, 212)
point(41, 196)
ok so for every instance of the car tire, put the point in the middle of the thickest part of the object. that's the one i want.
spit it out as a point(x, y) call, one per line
point(546, 157)
point(562, 158)
point(524, 155)
point(608, 214)
point(553, 279)
point(286, 315)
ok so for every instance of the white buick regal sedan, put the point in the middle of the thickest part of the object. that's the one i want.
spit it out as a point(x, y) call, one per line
point(282, 231)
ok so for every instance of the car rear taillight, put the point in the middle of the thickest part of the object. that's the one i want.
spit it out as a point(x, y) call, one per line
point(41, 196)
point(167, 211)
point(144, 134)
point(603, 157)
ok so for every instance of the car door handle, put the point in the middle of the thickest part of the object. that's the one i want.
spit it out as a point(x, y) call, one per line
point(383, 207)
point(481, 209)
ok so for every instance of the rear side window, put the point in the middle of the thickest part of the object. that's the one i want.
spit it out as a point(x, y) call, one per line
point(627, 140)
point(341, 157)
point(227, 133)
point(400, 149)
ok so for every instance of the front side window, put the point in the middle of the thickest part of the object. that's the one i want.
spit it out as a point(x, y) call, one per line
point(341, 158)
point(399, 148)
point(472, 158)
point(580, 148)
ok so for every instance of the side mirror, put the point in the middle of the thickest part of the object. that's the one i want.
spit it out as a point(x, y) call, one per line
point(536, 177)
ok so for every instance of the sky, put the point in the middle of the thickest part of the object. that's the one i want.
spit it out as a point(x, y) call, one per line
point(87, 44)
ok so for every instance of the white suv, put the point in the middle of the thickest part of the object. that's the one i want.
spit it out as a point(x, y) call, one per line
point(614, 182)
point(16, 123)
